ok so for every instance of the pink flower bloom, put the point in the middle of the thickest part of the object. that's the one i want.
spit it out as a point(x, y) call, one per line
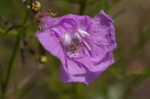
point(84, 45)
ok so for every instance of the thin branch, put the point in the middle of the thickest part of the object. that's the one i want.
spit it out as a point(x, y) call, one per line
point(10, 65)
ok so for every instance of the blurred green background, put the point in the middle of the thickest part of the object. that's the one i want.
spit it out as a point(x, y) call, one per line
point(27, 78)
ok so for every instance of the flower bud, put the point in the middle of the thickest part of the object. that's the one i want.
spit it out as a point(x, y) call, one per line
point(36, 6)
point(43, 59)
point(28, 6)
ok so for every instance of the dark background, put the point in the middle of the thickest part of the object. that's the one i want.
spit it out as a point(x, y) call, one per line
point(128, 78)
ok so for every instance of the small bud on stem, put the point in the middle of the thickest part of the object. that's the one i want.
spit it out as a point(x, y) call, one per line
point(36, 6)
point(43, 59)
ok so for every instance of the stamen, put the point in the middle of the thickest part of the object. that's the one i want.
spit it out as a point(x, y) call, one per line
point(87, 45)
point(83, 33)
point(77, 35)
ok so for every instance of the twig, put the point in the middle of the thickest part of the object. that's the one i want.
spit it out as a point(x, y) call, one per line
point(10, 65)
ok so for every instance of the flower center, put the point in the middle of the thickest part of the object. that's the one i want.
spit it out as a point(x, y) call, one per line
point(73, 49)
point(74, 43)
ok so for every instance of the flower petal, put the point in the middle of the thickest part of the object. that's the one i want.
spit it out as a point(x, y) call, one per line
point(85, 78)
point(105, 18)
point(92, 70)
point(51, 44)
point(103, 32)
point(70, 70)
point(98, 66)
point(48, 22)
point(65, 77)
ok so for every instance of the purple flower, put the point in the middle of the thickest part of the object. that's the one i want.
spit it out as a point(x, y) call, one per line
point(84, 45)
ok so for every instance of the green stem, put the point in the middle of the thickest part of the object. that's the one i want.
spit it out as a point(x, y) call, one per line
point(4, 84)
point(82, 4)
point(10, 66)
point(74, 91)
